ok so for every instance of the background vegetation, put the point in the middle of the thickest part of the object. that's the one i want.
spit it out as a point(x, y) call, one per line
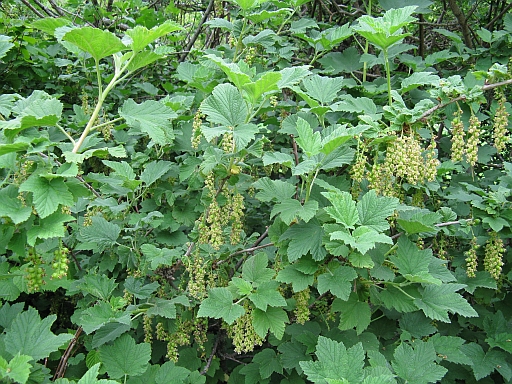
point(255, 191)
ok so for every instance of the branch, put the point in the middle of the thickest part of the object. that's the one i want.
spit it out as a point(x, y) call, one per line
point(490, 24)
point(61, 368)
point(31, 7)
point(486, 87)
point(198, 30)
point(210, 358)
point(463, 22)
point(89, 186)
point(56, 7)
point(46, 10)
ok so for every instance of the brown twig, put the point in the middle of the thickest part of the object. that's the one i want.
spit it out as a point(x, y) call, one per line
point(61, 368)
point(198, 31)
point(210, 358)
point(45, 9)
point(503, 11)
point(31, 7)
point(486, 87)
point(80, 178)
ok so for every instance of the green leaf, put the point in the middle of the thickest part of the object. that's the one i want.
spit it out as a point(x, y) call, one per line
point(255, 269)
point(277, 158)
point(335, 362)
point(299, 280)
point(400, 299)
point(304, 238)
point(143, 59)
point(373, 210)
point(168, 370)
point(154, 171)
point(418, 79)
point(342, 62)
point(272, 319)
point(416, 365)
point(247, 4)
point(264, 85)
point(267, 295)
point(49, 227)
point(141, 37)
point(9, 312)
point(5, 45)
point(418, 221)
point(125, 357)
point(310, 142)
point(232, 70)
point(48, 194)
point(502, 340)
point(102, 313)
point(354, 313)
point(413, 263)
point(483, 364)
point(437, 300)
point(243, 134)
point(291, 76)
point(482, 279)
point(362, 238)
point(97, 42)
point(450, 348)
point(290, 209)
point(38, 110)
point(268, 363)
point(243, 288)
point(108, 332)
point(292, 353)
point(121, 168)
point(18, 369)
point(150, 117)
point(225, 106)
point(91, 375)
point(323, 89)
point(386, 30)
point(50, 24)
point(343, 208)
point(29, 335)
point(138, 289)
point(219, 305)
point(273, 189)
point(338, 280)
point(101, 233)
point(12, 207)
point(164, 308)
point(99, 286)
point(335, 137)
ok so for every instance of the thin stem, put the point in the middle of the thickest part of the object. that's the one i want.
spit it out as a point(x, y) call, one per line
point(239, 41)
point(486, 87)
point(388, 75)
point(98, 76)
point(286, 21)
point(106, 123)
point(367, 45)
point(67, 134)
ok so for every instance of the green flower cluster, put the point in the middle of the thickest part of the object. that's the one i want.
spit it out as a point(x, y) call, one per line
point(493, 260)
point(473, 140)
point(60, 263)
point(472, 258)
point(458, 138)
point(34, 271)
point(500, 132)
point(243, 334)
point(302, 311)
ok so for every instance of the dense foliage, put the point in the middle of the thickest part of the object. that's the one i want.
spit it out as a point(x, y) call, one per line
point(255, 192)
